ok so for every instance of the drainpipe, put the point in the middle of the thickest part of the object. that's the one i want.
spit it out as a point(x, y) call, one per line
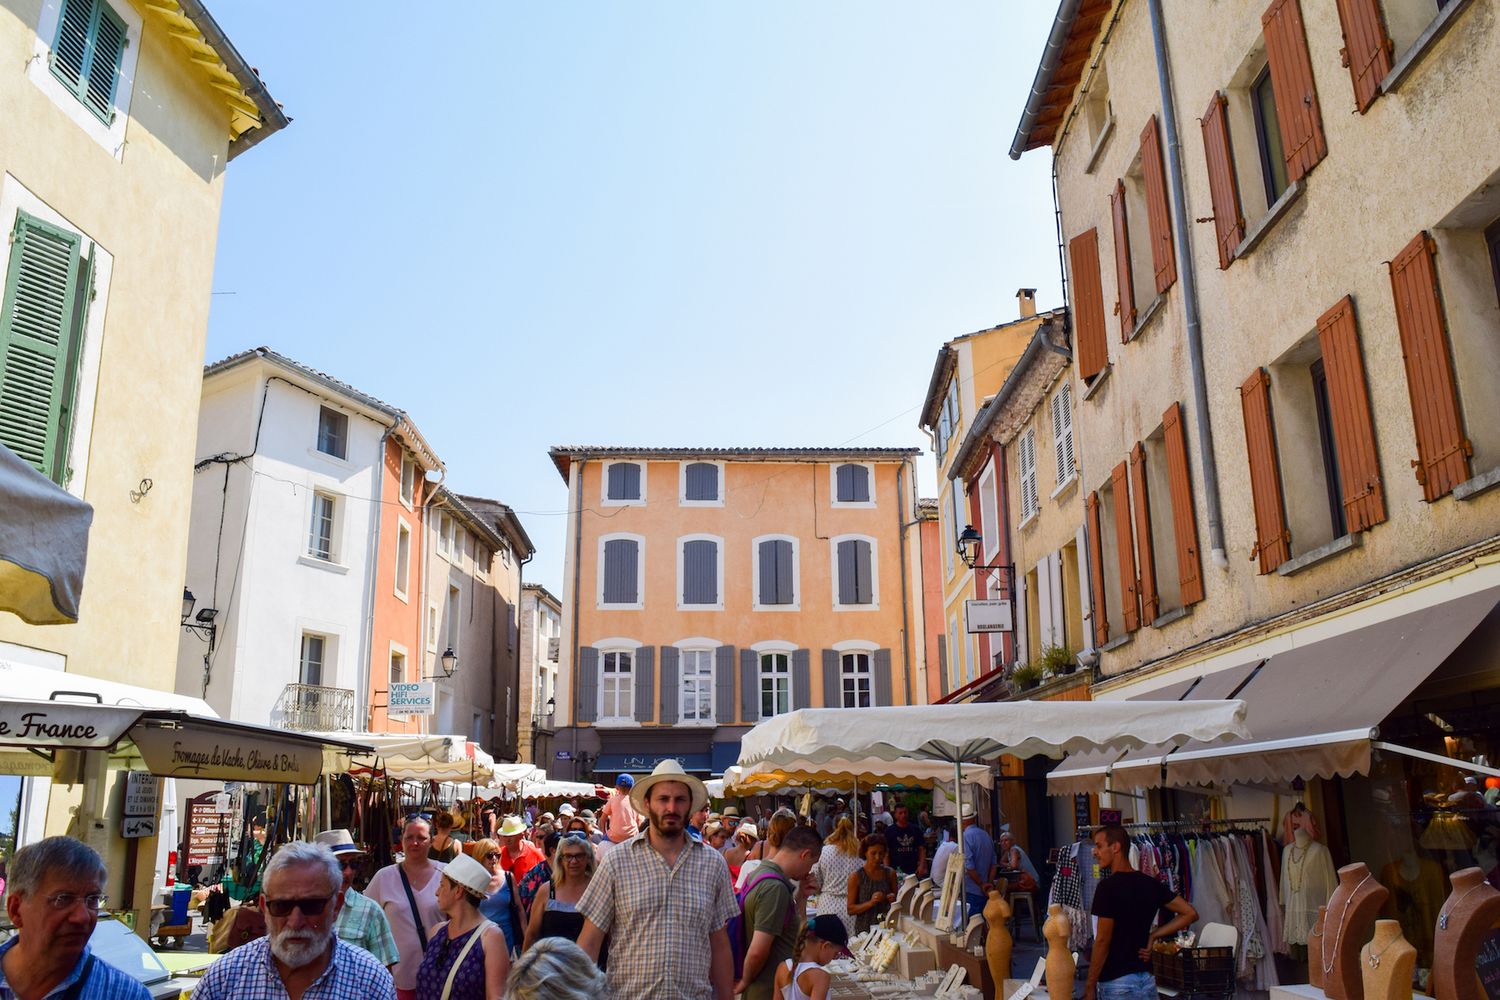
point(1186, 269)
point(905, 612)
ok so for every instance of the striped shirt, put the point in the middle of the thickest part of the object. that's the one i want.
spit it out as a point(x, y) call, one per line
point(362, 923)
point(104, 982)
point(663, 915)
point(249, 973)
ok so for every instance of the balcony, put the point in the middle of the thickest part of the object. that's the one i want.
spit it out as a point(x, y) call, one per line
point(312, 708)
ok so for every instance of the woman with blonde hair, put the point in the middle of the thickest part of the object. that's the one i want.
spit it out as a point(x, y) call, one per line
point(556, 969)
point(502, 904)
point(554, 911)
point(839, 860)
point(781, 822)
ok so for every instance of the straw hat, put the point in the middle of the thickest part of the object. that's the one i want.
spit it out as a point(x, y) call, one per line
point(470, 874)
point(747, 829)
point(512, 826)
point(668, 770)
point(339, 842)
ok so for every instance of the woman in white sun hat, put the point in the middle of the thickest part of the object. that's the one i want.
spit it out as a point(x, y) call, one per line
point(466, 958)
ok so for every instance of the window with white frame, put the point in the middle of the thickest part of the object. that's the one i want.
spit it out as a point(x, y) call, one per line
point(851, 485)
point(408, 479)
point(616, 685)
point(697, 701)
point(403, 559)
point(432, 629)
point(621, 577)
point(948, 418)
point(775, 684)
point(320, 538)
point(398, 667)
point(989, 518)
point(856, 677)
point(481, 560)
point(1026, 450)
point(702, 484)
point(1062, 433)
point(854, 572)
point(624, 483)
point(314, 648)
point(333, 432)
point(445, 535)
point(775, 572)
point(701, 572)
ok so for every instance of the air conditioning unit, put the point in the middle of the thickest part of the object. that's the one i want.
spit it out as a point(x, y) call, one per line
point(554, 646)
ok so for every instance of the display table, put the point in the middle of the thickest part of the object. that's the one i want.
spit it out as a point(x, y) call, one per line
point(976, 969)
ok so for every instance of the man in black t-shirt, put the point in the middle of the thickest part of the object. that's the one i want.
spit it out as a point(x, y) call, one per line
point(905, 844)
point(1126, 903)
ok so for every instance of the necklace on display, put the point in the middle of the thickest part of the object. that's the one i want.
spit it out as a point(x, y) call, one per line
point(1375, 955)
point(1448, 910)
point(1294, 868)
point(1339, 936)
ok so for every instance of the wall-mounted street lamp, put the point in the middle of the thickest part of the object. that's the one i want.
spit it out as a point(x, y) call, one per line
point(970, 548)
point(201, 624)
point(447, 663)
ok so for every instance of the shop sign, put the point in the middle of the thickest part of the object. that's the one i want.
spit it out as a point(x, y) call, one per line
point(132, 827)
point(195, 751)
point(25, 764)
point(987, 616)
point(414, 698)
point(1110, 817)
point(207, 830)
point(56, 725)
point(648, 761)
point(140, 793)
point(564, 755)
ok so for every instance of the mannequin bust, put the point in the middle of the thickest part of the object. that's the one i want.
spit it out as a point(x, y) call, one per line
point(1387, 962)
point(1352, 910)
point(997, 947)
point(1471, 910)
point(1060, 965)
point(1307, 880)
point(1314, 945)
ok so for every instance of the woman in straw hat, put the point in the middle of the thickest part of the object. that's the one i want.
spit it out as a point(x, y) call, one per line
point(466, 958)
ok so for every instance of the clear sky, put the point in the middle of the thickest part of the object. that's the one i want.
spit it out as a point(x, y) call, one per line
point(637, 223)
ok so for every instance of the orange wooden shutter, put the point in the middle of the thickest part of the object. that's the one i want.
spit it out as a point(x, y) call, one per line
point(1272, 540)
point(1088, 303)
point(1442, 449)
point(1302, 141)
point(1145, 555)
point(1353, 430)
point(1157, 213)
point(1367, 48)
point(1184, 518)
point(1223, 187)
point(1124, 275)
point(1096, 570)
point(1130, 595)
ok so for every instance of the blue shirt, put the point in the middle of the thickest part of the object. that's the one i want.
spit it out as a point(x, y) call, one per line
point(248, 973)
point(105, 982)
point(496, 906)
point(979, 855)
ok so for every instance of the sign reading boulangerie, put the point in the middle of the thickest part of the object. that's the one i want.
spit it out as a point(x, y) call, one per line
point(198, 751)
point(63, 725)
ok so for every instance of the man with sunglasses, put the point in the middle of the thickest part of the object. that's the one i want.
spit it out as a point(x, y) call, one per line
point(56, 888)
point(361, 922)
point(300, 958)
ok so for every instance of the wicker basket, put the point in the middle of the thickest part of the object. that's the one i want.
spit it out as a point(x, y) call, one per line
point(1195, 971)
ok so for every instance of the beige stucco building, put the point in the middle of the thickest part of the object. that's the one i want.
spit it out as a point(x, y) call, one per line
point(541, 649)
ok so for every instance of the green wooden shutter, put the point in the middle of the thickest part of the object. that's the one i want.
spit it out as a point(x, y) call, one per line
point(87, 52)
point(41, 324)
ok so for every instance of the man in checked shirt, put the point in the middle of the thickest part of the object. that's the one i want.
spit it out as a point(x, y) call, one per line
point(666, 898)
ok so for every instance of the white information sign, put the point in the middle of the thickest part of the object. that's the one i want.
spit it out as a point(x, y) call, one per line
point(416, 698)
point(137, 826)
point(140, 793)
point(988, 616)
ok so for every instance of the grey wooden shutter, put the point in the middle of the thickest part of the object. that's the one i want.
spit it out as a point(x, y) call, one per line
point(844, 483)
point(645, 683)
point(864, 579)
point(943, 664)
point(724, 685)
point(588, 684)
point(833, 691)
point(802, 679)
point(700, 572)
point(786, 584)
point(859, 479)
point(749, 686)
point(621, 571)
point(848, 582)
point(40, 329)
point(766, 559)
point(671, 687)
point(702, 481)
point(884, 692)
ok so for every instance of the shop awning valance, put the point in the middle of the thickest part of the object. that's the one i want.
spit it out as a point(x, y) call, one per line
point(44, 544)
point(423, 757)
point(1315, 709)
point(846, 774)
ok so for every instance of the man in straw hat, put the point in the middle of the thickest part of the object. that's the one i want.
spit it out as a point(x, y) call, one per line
point(517, 854)
point(361, 922)
point(670, 893)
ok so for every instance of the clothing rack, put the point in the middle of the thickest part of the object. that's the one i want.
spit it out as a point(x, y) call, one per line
point(1187, 825)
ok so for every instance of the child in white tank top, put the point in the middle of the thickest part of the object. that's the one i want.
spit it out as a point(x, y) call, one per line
point(802, 977)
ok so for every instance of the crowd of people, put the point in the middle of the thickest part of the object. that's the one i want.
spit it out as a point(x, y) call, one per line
point(654, 896)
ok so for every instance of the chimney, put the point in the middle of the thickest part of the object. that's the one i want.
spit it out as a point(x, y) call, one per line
point(1028, 301)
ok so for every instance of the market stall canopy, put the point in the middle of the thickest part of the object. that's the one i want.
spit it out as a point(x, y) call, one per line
point(422, 757)
point(982, 732)
point(31, 683)
point(538, 786)
point(1315, 709)
point(44, 544)
point(843, 774)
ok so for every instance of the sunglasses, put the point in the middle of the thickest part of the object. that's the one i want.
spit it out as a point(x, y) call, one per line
point(492, 854)
point(577, 835)
point(283, 907)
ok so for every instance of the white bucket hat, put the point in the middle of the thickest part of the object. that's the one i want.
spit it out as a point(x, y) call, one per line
point(668, 770)
point(470, 874)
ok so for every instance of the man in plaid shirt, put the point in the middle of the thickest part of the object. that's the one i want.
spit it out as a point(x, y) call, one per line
point(670, 894)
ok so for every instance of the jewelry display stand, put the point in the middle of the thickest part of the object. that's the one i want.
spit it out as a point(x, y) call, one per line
point(904, 894)
point(924, 886)
point(1470, 912)
point(1314, 945)
point(1387, 962)
point(1347, 922)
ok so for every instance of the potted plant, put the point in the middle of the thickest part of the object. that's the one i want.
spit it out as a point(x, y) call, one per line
point(1058, 660)
point(1026, 675)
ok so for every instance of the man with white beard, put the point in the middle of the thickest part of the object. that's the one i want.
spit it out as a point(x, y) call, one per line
point(300, 958)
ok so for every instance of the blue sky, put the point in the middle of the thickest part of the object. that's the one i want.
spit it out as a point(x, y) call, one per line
point(644, 223)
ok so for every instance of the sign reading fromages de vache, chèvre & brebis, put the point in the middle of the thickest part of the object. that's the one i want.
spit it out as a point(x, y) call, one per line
point(199, 751)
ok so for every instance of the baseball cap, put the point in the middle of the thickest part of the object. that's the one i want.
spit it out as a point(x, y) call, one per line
point(827, 927)
point(624, 781)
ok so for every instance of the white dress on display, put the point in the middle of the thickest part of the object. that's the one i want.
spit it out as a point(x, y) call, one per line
point(1307, 880)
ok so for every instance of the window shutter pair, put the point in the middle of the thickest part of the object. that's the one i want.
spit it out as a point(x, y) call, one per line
point(776, 583)
point(700, 572)
point(1184, 518)
point(645, 683)
point(1144, 550)
point(1272, 539)
point(1030, 503)
point(1302, 140)
point(1124, 273)
point(87, 54)
point(1367, 48)
point(588, 684)
point(833, 689)
point(1130, 594)
point(671, 686)
point(702, 481)
point(1096, 569)
point(1223, 186)
point(853, 484)
point(1443, 450)
point(1353, 430)
point(624, 481)
point(1088, 304)
point(621, 571)
point(47, 287)
point(855, 573)
point(749, 687)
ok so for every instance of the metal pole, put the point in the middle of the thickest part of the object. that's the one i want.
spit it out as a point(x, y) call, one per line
point(963, 868)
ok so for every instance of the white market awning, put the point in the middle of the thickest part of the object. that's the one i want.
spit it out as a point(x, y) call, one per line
point(422, 757)
point(843, 774)
point(30, 683)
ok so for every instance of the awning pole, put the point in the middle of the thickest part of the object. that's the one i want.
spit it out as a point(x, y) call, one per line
point(1462, 765)
point(963, 868)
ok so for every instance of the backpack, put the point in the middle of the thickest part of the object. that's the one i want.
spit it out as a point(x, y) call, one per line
point(738, 938)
